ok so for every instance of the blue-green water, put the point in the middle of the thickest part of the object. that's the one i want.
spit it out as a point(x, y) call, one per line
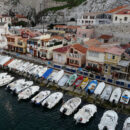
point(16, 115)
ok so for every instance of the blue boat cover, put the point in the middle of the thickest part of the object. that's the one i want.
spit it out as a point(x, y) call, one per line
point(47, 73)
point(125, 97)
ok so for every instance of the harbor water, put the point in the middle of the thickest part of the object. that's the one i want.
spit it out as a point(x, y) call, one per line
point(16, 115)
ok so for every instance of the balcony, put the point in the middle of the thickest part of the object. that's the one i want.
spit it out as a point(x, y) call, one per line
point(72, 55)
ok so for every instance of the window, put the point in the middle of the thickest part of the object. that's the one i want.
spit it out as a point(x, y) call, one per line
point(21, 49)
point(116, 18)
point(93, 54)
point(71, 50)
point(95, 65)
point(76, 62)
point(125, 18)
point(109, 56)
point(113, 57)
point(91, 17)
point(89, 64)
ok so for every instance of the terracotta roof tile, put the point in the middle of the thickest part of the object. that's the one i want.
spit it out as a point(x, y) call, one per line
point(62, 49)
point(97, 49)
point(115, 50)
point(57, 37)
point(117, 9)
point(125, 11)
point(80, 48)
point(105, 37)
point(92, 42)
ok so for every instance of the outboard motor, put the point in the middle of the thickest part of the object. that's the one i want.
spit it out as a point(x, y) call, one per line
point(64, 111)
point(89, 92)
point(78, 120)
point(105, 128)
point(114, 102)
point(46, 104)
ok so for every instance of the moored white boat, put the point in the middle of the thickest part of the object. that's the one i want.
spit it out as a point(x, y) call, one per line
point(40, 97)
point(63, 80)
point(58, 76)
point(52, 100)
point(106, 93)
point(27, 93)
point(5, 80)
point(125, 97)
point(20, 88)
point(108, 121)
point(126, 125)
point(70, 106)
point(85, 113)
point(99, 88)
point(116, 94)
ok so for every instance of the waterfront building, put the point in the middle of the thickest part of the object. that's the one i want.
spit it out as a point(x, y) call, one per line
point(94, 18)
point(106, 38)
point(76, 55)
point(5, 19)
point(3, 31)
point(60, 55)
point(114, 66)
point(122, 16)
point(85, 33)
point(43, 46)
point(16, 44)
point(95, 58)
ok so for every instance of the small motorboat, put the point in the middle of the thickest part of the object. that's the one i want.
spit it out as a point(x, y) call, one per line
point(78, 81)
point(99, 88)
point(106, 93)
point(14, 83)
point(42, 71)
point(116, 94)
point(84, 83)
point(40, 97)
point(5, 80)
point(108, 121)
point(52, 100)
point(18, 83)
point(58, 76)
point(20, 88)
point(85, 113)
point(51, 77)
point(126, 125)
point(91, 86)
point(71, 80)
point(47, 73)
point(70, 106)
point(125, 97)
point(63, 80)
point(27, 93)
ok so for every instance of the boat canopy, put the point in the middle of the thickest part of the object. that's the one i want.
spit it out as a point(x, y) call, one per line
point(47, 73)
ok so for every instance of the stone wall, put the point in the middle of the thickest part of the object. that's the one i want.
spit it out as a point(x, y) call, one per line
point(121, 32)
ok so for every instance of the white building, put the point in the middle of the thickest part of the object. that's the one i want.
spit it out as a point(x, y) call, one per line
point(3, 31)
point(94, 19)
point(95, 58)
point(122, 16)
point(5, 19)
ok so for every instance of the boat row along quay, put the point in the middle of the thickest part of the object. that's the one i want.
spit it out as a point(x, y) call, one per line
point(92, 91)
point(26, 90)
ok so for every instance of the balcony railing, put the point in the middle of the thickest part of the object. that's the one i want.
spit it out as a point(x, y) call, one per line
point(74, 55)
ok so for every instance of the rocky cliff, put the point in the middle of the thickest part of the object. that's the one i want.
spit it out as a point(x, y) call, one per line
point(31, 7)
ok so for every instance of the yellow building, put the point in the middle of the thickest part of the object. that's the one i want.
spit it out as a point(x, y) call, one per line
point(17, 43)
point(113, 58)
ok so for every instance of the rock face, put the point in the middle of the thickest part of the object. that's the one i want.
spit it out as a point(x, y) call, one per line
point(26, 6)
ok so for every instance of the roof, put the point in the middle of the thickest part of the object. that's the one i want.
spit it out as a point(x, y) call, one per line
point(57, 37)
point(80, 48)
point(125, 11)
point(124, 63)
point(97, 49)
point(92, 42)
point(20, 16)
point(60, 26)
point(62, 49)
point(125, 46)
point(117, 9)
point(106, 37)
point(115, 50)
